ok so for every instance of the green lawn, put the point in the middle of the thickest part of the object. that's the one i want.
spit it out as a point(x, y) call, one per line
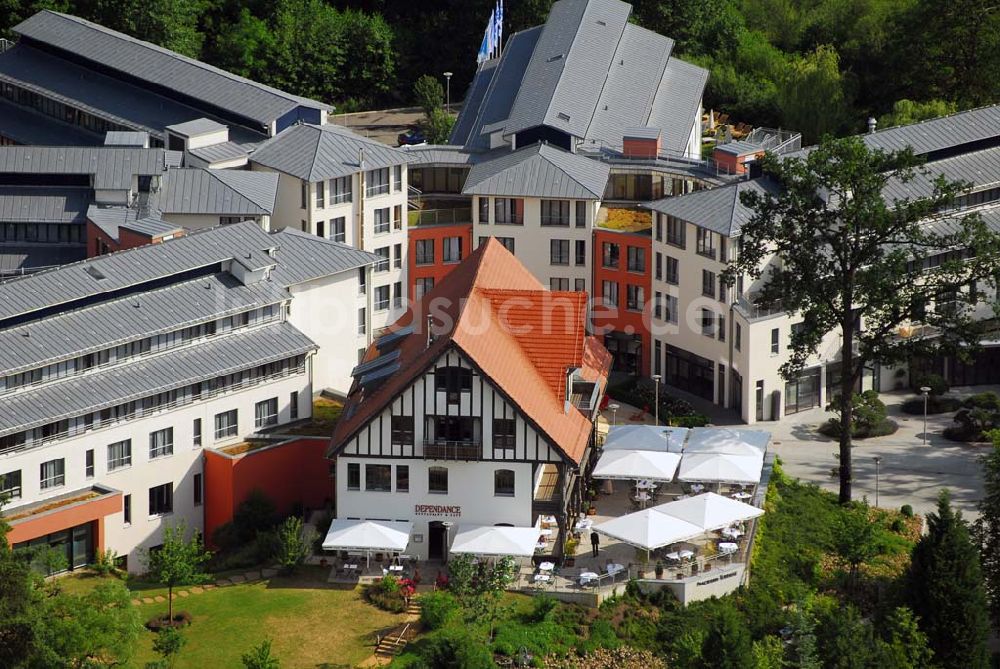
point(311, 623)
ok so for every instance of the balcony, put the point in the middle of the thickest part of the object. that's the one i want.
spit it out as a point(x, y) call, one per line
point(440, 449)
point(753, 311)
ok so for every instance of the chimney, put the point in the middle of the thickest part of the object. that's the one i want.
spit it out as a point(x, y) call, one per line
point(872, 122)
point(361, 157)
point(430, 333)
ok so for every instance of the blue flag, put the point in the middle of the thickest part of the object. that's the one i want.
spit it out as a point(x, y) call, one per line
point(486, 48)
point(498, 31)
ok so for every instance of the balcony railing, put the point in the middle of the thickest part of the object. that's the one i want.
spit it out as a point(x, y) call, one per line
point(440, 449)
point(753, 310)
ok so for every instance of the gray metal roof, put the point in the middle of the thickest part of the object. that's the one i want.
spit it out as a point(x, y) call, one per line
point(26, 126)
point(76, 396)
point(112, 167)
point(439, 154)
point(539, 170)
point(217, 153)
point(566, 73)
point(642, 133)
point(17, 258)
point(979, 168)
point(473, 101)
point(126, 138)
point(675, 107)
point(158, 66)
point(314, 152)
point(717, 209)
point(738, 148)
point(43, 204)
point(302, 257)
point(151, 227)
point(196, 127)
point(111, 217)
point(107, 324)
point(223, 192)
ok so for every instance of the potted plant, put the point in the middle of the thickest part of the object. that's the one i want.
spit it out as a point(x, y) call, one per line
point(642, 571)
point(569, 551)
point(659, 569)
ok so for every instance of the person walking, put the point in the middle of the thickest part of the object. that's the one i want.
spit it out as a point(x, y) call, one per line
point(595, 541)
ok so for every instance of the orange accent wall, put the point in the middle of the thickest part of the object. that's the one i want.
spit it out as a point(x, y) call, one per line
point(438, 270)
point(46, 523)
point(623, 320)
point(295, 471)
point(127, 239)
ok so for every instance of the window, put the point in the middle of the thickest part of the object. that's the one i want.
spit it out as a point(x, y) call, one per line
point(338, 229)
point(503, 483)
point(423, 286)
point(453, 380)
point(382, 264)
point(293, 405)
point(722, 327)
point(658, 266)
point(353, 476)
point(119, 455)
point(675, 232)
point(320, 195)
point(88, 465)
point(161, 499)
point(197, 489)
point(609, 290)
point(558, 284)
point(127, 509)
point(304, 226)
point(580, 285)
point(402, 478)
point(378, 182)
point(707, 283)
point(723, 289)
point(196, 431)
point(437, 480)
point(609, 255)
point(708, 323)
point(775, 342)
point(305, 199)
point(226, 424)
point(636, 259)
point(508, 243)
point(581, 213)
point(397, 217)
point(658, 306)
point(265, 413)
point(397, 178)
point(378, 478)
point(657, 357)
point(634, 297)
point(670, 308)
point(397, 256)
point(362, 321)
point(705, 243)
point(362, 281)
point(504, 432)
point(508, 211)
point(425, 251)
point(320, 229)
point(484, 210)
point(382, 220)
point(659, 227)
point(559, 251)
point(10, 485)
point(451, 250)
point(397, 294)
point(402, 430)
point(581, 253)
point(161, 443)
point(738, 338)
point(555, 212)
point(381, 298)
point(340, 190)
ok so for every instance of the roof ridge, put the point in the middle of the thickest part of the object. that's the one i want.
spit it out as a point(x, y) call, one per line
point(312, 163)
point(572, 178)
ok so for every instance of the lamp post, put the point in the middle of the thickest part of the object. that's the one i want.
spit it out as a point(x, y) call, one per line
point(447, 525)
point(926, 391)
point(656, 401)
point(614, 414)
point(878, 461)
point(447, 78)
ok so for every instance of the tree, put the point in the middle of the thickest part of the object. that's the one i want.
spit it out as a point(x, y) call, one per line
point(259, 657)
point(843, 257)
point(903, 645)
point(811, 94)
point(168, 644)
point(178, 561)
point(905, 112)
point(804, 651)
point(727, 643)
point(428, 93)
point(437, 126)
point(855, 541)
point(293, 545)
point(768, 653)
point(945, 585)
point(479, 587)
point(987, 527)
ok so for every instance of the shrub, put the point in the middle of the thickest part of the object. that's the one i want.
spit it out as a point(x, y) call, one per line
point(159, 622)
point(105, 563)
point(980, 413)
point(935, 405)
point(869, 413)
point(906, 510)
point(255, 514)
point(388, 594)
point(643, 394)
point(168, 644)
point(292, 544)
point(935, 382)
point(437, 609)
point(259, 657)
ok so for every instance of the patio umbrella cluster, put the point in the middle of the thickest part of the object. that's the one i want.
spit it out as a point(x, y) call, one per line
point(391, 536)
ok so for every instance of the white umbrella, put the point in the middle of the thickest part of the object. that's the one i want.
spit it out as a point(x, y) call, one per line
point(368, 535)
point(645, 438)
point(649, 465)
point(649, 529)
point(720, 467)
point(727, 440)
point(709, 511)
point(494, 541)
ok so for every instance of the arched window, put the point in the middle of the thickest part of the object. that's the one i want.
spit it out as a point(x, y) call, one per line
point(437, 480)
point(503, 483)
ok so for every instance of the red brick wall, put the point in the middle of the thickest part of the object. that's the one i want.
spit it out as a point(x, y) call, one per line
point(640, 148)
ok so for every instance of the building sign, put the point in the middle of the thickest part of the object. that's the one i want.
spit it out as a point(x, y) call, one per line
point(436, 510)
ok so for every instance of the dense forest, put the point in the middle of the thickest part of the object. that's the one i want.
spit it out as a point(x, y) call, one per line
point(818, 66)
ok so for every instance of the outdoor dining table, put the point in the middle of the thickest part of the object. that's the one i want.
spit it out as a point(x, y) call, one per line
point(588, 576)
point(542, 578)
point(583, 524)
point(741, 495)
point(548, 520)
point(728, 547)
point(642, 497)
point(697, 488)
point(395, 567)
point(680, 555)
point(350, 565)
point(615, 568)
point(545, 532)
point(546, 566)
point(732, 533)
point(645, 485)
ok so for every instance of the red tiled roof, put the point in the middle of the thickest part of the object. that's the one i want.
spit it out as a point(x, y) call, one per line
point(522, 337)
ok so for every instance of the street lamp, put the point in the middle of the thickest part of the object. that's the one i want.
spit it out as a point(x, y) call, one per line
point(878, 461)
point(447, 525)
point(614, 413)
point(656, 402)
point(447, 78)
point(926, 390)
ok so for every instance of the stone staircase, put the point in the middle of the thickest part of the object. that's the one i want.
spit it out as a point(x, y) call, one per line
point(395, 641)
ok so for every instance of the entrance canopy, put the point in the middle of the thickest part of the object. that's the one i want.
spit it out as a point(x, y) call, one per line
point(727, 440)
point(709, 511)
point(650, 465)
point(721, 468)
point(495, 541)
point(649, 529)
point(645, 438)
point(368, 535)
